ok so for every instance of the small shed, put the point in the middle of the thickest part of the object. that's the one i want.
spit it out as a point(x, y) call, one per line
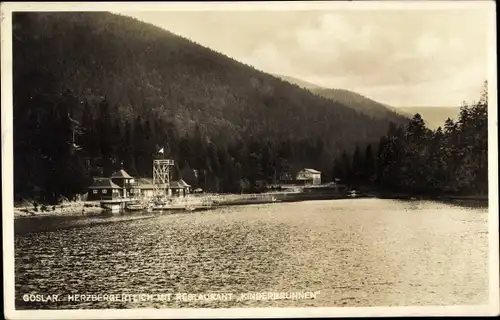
point(187, 187)
point(179, 188)
point(103, 189)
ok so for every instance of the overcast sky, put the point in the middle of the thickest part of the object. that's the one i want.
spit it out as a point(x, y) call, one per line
point(402, 58)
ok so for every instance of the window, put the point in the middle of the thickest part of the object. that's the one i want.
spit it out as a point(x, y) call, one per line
point(94, 191)
point(104, 191)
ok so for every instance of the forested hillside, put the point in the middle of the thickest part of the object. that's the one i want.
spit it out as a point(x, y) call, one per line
point(120, 89)
point(360, 103)
point(353, 100)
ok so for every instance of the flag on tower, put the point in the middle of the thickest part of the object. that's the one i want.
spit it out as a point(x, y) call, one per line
point(76, 147)
point(161, 151)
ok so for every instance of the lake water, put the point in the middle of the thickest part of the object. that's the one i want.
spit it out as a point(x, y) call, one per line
point(357, 252)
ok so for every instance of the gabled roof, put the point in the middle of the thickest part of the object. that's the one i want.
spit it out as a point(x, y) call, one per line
point(311, 170)
point(142, 181)
point(103, 183)
point(184, 183)
point(121, 174)
point(176, 185)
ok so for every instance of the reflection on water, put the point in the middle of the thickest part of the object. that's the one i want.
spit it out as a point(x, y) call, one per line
point(362, 252)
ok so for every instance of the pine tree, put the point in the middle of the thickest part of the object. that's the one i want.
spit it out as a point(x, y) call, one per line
point(149, 150)
point(346, 168)
point(337, 171)
point(436, 167)
point(416, 155)
point(267, 161)
point(104, 129)
point(213, 159)
point(381, 162)
point(188, 175)
point(480, 149)
point(139, 147)
point(415, 159)
point(369, 165)
point(185, 151)
point(128, 150)
point(357, 166)
point(199, 144)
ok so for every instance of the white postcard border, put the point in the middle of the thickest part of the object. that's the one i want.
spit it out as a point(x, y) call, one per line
point(7, 165)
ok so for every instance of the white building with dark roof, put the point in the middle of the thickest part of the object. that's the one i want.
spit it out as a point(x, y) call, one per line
point(309, 176)
point(176, 188)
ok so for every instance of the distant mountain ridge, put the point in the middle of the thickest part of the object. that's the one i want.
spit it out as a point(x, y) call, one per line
point(352, 99)
point(301, 83)
point(434, 116)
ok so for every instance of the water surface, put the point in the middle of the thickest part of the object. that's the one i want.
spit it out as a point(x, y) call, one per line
point(357, 252)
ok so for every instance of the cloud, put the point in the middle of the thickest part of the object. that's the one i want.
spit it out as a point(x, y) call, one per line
point(267, 58)
point(399, 64)
point(428, 45)
point(403, 57)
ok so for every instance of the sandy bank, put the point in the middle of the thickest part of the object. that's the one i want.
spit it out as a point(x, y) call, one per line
point(71, 208)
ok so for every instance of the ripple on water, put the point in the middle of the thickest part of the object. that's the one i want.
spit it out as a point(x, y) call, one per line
point(364, 252)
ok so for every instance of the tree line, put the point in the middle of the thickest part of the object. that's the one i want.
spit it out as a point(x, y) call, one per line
point(411, 158)
point(56, 155)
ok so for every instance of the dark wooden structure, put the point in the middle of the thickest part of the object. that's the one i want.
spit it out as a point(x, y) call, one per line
point(103, 189)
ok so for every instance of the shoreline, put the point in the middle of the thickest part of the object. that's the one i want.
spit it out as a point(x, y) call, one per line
point(435, 198)
point(66, 209)
point(470, 201)
point(52, 221)
point(93, 208)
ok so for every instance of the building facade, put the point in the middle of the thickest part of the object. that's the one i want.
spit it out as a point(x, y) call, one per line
point(129, 187)
point(103, 189)
point(309, 176)
point(124, 186)
point(177, 188)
